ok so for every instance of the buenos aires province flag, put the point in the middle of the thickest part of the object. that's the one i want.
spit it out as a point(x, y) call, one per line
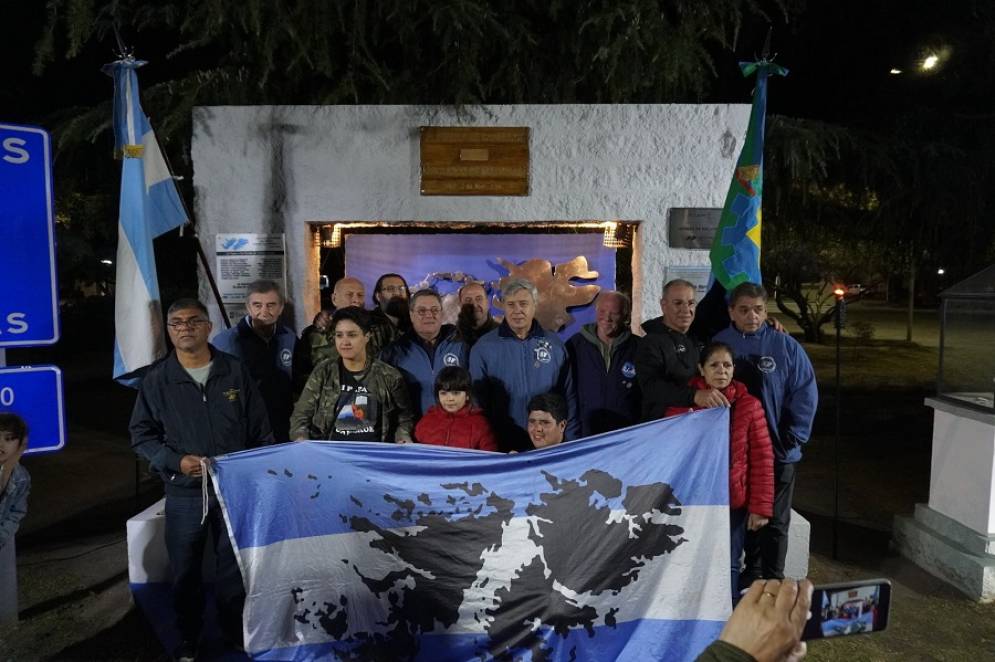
point(735, 254)
point(612, 547)
point(150, 206)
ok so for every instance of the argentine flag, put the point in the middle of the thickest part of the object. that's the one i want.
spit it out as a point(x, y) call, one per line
point(611, 547)
point(150, 206)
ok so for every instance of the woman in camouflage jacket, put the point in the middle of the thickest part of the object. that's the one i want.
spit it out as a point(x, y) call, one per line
point(353, 397)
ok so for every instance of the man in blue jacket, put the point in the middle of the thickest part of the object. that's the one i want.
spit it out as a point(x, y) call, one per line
point(516, 361)
point(775, 369)
point(422, 352)
point(195, 404)
point(267, 348)
point(603, 356)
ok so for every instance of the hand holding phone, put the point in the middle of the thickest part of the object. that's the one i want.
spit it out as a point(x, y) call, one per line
point(849, 608)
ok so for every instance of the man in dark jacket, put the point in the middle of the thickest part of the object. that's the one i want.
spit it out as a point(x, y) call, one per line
point(667, 357)
point(475, 313)
point(603, 357)
point(193, 405)
point(266, 347)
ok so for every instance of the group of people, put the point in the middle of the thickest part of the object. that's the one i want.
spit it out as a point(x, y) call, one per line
point(397, 373)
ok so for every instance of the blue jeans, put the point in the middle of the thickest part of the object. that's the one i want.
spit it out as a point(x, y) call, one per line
point(185, 541)
point(737, 535)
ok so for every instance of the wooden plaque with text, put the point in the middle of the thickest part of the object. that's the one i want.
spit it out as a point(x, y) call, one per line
point(492, 160)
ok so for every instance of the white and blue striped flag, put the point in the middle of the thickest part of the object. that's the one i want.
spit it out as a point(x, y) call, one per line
point(150, 206)
point(612, 547)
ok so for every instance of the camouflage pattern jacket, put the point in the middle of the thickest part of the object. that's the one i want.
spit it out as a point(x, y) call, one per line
point(314, 413)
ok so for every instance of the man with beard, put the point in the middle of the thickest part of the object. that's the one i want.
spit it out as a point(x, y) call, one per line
point(475, 313)
point(390, 314)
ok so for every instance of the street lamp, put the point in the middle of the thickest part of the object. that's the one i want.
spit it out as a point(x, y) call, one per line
point(840, 321)
point(930, 62)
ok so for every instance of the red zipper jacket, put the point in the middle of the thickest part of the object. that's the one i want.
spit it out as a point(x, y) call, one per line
point(467, 428)
point(751, 455)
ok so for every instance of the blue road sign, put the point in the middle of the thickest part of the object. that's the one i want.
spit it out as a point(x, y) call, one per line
point(35, 394)
point(29, 300)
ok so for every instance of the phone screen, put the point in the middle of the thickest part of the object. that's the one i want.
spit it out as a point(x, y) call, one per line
point(849, 608)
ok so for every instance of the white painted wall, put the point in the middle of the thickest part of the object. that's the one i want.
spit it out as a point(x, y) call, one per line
point(278, 168)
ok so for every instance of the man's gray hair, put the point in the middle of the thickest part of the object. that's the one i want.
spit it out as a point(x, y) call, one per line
point(623, 297)
point(264, 287)
point(516, 284)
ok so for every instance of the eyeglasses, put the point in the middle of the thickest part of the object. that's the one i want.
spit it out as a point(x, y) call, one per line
point(426, 312)
point(187, 324)
point(392, 289)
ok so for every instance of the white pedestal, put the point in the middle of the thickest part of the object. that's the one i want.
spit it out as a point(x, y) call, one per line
point(148, 562)
point(953, 537)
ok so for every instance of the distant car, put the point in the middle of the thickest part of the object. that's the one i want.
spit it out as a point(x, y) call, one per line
point(856, 290)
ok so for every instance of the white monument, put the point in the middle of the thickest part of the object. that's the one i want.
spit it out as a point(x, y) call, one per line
point(953, 536)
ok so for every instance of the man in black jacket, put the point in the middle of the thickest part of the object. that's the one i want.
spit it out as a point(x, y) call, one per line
point(667, 357)
point(195, 404)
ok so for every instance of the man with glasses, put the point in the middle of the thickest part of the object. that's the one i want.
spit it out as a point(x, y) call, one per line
point(390, 313)
point(194, 404)
point(267, 347)
point(422, 352)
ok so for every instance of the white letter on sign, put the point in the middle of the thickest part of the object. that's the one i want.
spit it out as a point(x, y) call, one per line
point(6, 396)
point(17, 323)
point(16, 147)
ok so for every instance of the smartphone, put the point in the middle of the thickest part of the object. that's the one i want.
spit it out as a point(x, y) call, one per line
point(849, 608)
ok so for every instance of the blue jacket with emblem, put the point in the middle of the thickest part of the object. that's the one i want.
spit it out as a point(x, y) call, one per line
point(507, 372)
point(270, 364)
point(419, 365)
point(776, 369)
point(607, 393)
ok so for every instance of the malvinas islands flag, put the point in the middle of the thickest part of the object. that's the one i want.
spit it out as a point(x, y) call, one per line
point(150, 206)
point(611, 547)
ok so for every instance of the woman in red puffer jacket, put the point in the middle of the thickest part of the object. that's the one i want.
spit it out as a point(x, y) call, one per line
point(454, 421)
point(751, 456)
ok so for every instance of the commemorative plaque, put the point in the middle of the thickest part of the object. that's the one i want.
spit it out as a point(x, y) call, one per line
point(693, 227)
point(492, 160)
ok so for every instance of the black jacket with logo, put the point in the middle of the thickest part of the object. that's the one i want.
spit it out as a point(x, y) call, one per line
point(666, 360)
point(174, 416)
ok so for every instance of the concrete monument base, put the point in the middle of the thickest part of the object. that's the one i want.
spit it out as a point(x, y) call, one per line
point(949, 550)
point(953, 537)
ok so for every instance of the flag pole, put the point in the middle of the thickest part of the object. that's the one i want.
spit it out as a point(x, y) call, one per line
point(200, 249)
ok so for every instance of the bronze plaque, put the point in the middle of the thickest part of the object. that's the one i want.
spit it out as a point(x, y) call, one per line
point(472, 160)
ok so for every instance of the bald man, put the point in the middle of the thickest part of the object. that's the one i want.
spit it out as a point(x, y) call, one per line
point(348, 291)
point(475, 313)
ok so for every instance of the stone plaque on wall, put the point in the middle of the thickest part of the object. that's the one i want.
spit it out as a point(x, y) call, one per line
point(492, 160)
point(693, 227)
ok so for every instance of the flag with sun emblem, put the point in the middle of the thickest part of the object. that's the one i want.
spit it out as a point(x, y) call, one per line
point(735, 251)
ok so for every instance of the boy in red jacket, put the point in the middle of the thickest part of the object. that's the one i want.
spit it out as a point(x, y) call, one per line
point(751, 456)
point(454, 421)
